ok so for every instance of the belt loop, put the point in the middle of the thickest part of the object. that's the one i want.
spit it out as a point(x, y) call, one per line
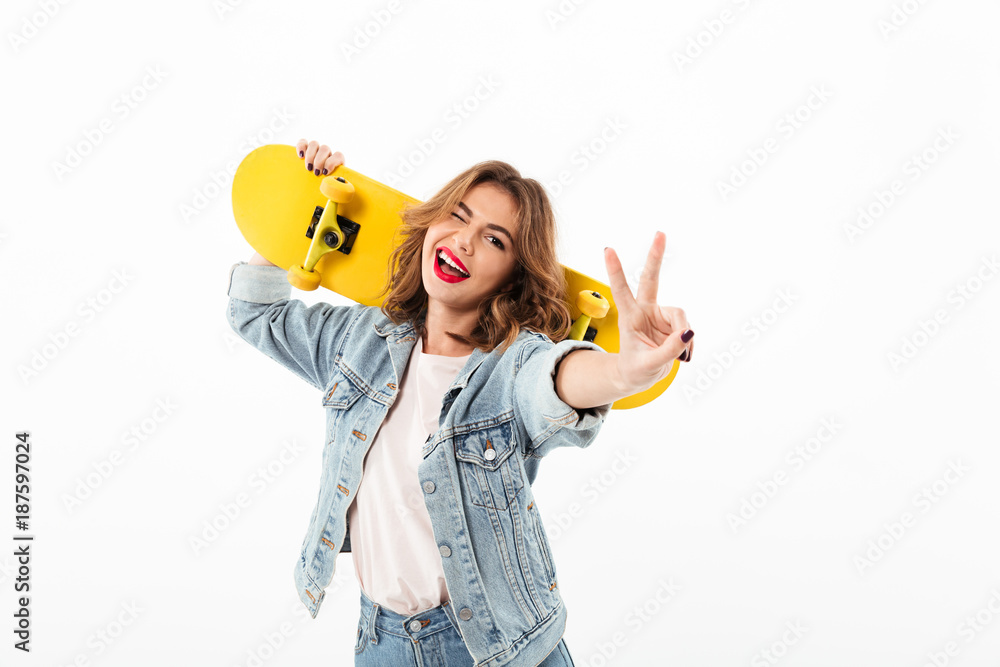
point(371, 623)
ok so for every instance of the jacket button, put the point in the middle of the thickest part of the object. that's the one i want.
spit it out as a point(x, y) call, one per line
point(445, 551)
point(465, 614)
point(490, 454)
point(428, 487)
point(414, 626)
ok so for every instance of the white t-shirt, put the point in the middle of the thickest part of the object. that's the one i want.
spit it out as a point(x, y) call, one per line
point(395, 555)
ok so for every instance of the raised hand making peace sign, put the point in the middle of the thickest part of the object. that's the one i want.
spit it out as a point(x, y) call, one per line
point(650, 336)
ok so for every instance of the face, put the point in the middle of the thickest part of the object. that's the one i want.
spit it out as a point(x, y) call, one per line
point(478, 236)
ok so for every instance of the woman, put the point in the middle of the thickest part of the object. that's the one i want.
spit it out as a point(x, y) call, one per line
point(466, 355)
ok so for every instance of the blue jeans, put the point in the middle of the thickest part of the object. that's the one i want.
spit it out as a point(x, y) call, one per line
point(385, 639)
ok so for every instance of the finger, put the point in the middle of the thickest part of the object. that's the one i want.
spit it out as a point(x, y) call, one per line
point(650, 280)
point(620, 290)
point(333, 162)
point(300, 148)
point(688, 352)
point(671, 319)
point(671, 348)
point(667, 319)
point(321, 155)
point(311, 149)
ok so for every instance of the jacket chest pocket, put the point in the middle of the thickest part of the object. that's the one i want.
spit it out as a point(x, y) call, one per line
point(489, 471)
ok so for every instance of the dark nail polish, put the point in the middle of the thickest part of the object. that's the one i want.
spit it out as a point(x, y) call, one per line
point(687, 335)
point(316, 171)
point(324, 171)
point(684, 356)
point(309, 167)
point(302, 153)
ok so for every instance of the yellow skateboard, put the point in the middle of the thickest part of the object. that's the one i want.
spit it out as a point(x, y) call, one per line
point(338, 231)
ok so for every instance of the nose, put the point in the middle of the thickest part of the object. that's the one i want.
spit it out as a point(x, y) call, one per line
point(462, 240)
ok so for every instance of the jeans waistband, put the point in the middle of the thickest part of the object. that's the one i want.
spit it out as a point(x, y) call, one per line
point(415, 626)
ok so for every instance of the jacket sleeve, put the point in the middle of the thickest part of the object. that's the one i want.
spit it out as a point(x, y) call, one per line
point(549, 421)
point(302, 339)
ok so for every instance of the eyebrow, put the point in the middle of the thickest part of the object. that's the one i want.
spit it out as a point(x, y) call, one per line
point(489, 225)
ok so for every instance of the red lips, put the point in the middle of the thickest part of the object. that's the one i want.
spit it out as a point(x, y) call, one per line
point(452, 257)
point(441, 274)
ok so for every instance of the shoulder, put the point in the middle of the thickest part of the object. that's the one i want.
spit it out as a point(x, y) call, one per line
point(370, 321)
point(371, 314)
point(352, 320)
point(528, 344)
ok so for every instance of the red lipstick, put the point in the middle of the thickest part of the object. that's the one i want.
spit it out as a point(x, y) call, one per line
point(441, 274)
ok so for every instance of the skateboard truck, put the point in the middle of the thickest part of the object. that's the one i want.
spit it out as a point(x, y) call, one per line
point(592, 306)
point(330, 232)
point(349, 227)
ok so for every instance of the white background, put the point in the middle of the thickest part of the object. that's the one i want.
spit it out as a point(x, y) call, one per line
point(834, 320)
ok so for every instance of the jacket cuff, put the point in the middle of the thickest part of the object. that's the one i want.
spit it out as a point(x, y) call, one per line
point(553, 407)
point(258, 284)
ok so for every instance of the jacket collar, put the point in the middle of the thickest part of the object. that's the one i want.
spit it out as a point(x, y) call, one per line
point(394, 331)
point(401, 339)
point(477, 358)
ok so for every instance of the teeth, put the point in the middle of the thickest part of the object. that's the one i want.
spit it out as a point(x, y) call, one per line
point(451, 263)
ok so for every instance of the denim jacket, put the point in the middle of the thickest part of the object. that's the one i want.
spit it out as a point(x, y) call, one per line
point(500, 416)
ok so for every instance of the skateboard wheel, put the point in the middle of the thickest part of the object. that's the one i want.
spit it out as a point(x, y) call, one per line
point(592, 304)
point(336, 189)
point(304, 280)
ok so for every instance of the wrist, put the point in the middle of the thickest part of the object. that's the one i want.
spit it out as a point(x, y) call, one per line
point(620, 382)
point(258, 260)
point(617, 379)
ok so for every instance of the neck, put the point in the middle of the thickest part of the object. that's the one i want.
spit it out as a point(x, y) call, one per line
point(440, 320)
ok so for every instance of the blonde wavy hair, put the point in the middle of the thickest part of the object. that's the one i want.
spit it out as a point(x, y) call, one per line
point(536, 300)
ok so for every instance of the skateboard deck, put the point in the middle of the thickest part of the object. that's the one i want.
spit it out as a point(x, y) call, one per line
point(276, 203)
